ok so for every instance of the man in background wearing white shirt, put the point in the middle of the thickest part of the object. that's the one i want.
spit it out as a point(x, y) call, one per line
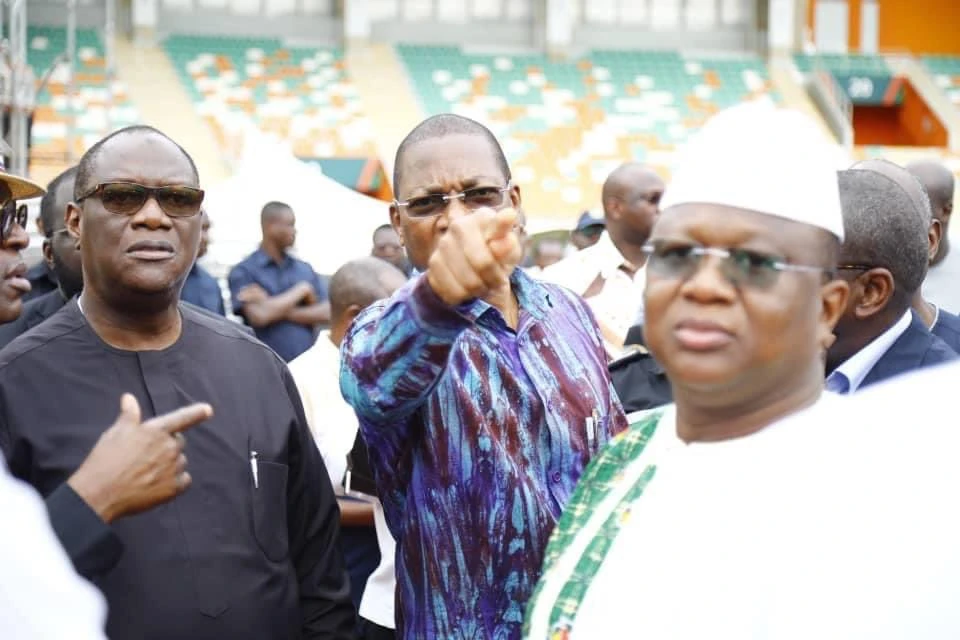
point(355, 286)
point(610, 273)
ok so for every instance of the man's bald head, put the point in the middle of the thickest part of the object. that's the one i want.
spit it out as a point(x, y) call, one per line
point(627, 178)
point(87, 167)
point(631, 204)
point(442, 125)
point(938, 181)
point(361, 282)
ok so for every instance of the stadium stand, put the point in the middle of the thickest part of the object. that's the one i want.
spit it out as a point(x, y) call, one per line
point(946, 73)
point(845, 64)
point(99, 106)
point(565, 125)
point(301, 94)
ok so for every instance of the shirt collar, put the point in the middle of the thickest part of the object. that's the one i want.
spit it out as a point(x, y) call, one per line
point(607, 257)
point(857, 366)
point(263, 258)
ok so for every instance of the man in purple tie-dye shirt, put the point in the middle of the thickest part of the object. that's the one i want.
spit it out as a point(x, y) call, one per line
point(482, 393)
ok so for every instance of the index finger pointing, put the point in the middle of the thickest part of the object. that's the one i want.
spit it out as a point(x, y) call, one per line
point(181, 419)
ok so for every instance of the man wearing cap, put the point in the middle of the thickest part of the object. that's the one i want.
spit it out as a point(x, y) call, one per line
point(60, 254)
point(587, 232)
point(36, 571)
point(740, 306)
point(14, 285)
point(884, 260)
point(610, 273)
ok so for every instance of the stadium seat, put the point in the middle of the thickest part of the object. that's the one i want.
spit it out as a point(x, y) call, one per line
point(98, 105)
point(566, 124)
point(946, 73)
point(301, 94)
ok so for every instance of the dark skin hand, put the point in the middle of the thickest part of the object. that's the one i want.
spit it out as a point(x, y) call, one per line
point(355, 514)
point(136, 465)
point(298, 304)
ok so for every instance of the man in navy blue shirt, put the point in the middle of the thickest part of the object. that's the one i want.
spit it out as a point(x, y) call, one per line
point(201, 288)
point(281, 297)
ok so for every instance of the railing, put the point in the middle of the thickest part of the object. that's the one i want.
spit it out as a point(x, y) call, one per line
point(832, 100)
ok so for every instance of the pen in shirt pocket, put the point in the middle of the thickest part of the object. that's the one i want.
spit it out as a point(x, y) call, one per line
point(254, 468)
point(592, 425)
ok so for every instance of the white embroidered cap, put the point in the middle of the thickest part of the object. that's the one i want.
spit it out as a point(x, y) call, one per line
point(762, 158)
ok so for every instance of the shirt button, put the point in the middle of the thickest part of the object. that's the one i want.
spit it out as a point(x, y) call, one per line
point(556, 476)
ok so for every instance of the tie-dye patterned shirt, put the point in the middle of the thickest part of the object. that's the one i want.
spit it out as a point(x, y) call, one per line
point(477, 436)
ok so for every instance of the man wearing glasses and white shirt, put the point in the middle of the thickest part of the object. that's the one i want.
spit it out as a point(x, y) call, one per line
point(610, 274)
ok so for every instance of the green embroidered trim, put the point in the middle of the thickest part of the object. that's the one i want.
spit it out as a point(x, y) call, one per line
point(600, 477)
point(574, 591)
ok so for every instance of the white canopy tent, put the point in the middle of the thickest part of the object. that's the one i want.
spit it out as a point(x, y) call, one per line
point(334, 223)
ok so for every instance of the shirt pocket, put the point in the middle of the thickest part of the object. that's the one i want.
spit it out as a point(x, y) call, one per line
point(270, 510)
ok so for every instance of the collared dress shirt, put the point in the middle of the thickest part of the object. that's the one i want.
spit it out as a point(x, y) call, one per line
point(847, 377)
point(619, 305)
point(288, 339)
point(477, 435)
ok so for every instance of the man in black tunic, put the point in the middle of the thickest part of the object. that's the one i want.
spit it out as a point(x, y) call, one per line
point(250, 550)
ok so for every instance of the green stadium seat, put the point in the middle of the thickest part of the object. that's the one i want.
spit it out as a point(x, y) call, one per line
point(301, 94)
point(566, 123)
point(98, 106)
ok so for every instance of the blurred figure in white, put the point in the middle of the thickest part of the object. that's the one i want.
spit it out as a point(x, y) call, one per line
point(41, 596)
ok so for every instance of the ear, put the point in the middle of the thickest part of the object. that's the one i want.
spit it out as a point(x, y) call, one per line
point(47, 249)
point(350, 313)
point(611, 208)
point(934, 235)
point(515, 200)
point(877, 289)
point(395, 222)
point(72, 219)
point(833, 303)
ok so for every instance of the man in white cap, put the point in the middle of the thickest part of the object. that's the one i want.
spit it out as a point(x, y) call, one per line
point(674, 530)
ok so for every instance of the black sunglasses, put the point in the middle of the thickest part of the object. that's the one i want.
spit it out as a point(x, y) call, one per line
point(126, 198)
point(10, 215)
